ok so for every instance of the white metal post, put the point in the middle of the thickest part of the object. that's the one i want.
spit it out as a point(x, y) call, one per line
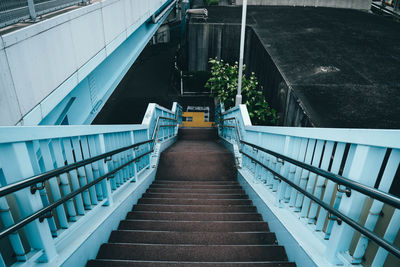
point(242, 37)
point(32, 11)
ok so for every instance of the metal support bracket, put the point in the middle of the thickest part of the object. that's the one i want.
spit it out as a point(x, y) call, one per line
point(333, 218)
point(47, 215)
point(107, 159)
point(347, 191)
point(34, 188)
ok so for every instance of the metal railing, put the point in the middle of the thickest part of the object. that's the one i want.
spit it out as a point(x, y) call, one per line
point(74, 171)
point(303, 173)
point(14, 11)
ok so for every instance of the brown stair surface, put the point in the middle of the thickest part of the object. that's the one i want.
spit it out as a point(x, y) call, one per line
point(199, 217)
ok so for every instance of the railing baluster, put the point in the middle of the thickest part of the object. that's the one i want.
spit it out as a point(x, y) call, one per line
point(312, 176)
point(15, 240)
point(123, 158)
point(284, 171)
point(73, 176)
point(55, 190)
point(88, 170)
point(305, 173)
point(390, 235)
point(119, 177)
point(96, 166)
point(296, 179)
point(330, 187)
point(338, 198)
point(64, 183)
point(326, 159)
point(376, 208)
point(106, 139)
point(33, 147)
point(133, 152)
point(16, 164)
point(81, 172)
point(292, 168)
point(365, 167)
point(103, 167)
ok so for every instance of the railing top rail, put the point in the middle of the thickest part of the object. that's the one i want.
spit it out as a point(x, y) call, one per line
point(371, 137)
point(164, 109)
point(12, 134)
point(230, 110)
point(372, 192)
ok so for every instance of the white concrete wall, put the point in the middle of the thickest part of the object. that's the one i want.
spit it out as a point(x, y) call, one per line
point(40, 64)
point(353, 4)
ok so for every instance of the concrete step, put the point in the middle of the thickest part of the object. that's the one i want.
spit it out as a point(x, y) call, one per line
point(194, 226)
point(199, 201)
point(193, 216)
point(195, 195)
point(194, 208)
point(192, 238)
point(203, 191)
point(193, 253)
point(210, 182)
point(134, 263)
point(196, 186)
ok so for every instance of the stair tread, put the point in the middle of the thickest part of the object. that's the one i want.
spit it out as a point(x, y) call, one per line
point(195, 195)
point(194, 226)
point(186, 208)
point(195, 201)
point(128, 263)
point(194, 216)
point(173, 252)
point(205, 238)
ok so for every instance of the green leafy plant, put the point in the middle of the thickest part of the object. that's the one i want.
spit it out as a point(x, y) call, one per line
point(211, 2)
point(223, 84)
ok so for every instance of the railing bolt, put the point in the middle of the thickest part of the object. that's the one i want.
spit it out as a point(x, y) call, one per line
point(338, 220)
point(107, 159)
point(47, 215)
point(347, 191)
point(34, 188)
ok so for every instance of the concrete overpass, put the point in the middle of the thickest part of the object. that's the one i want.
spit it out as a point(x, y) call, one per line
point(62, 70)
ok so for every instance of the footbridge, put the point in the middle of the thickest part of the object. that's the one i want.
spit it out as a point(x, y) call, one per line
point(157, 194)
point(163, 192)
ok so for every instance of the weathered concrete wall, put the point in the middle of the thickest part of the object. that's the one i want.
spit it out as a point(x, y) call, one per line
point(210, 40)
point(353, 4)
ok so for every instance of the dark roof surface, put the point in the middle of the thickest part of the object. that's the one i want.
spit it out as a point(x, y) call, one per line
point(342, 64)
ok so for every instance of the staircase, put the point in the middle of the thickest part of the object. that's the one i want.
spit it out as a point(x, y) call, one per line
point(194, 214)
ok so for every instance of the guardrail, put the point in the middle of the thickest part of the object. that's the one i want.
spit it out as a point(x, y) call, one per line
point(53, 176)
point(13, 11)
point(336, 181)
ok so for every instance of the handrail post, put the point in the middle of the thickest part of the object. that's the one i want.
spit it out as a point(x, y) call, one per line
point(364, 168)
point(16, 163)
point(32, 11)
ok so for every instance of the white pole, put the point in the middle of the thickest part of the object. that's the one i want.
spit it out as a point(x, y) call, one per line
point(242, 37)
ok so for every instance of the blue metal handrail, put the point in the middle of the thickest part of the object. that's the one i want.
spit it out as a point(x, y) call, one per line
point(42, 213)
point(371, 235)
point(41, 178)
point(369, 191)
point(372, 192)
